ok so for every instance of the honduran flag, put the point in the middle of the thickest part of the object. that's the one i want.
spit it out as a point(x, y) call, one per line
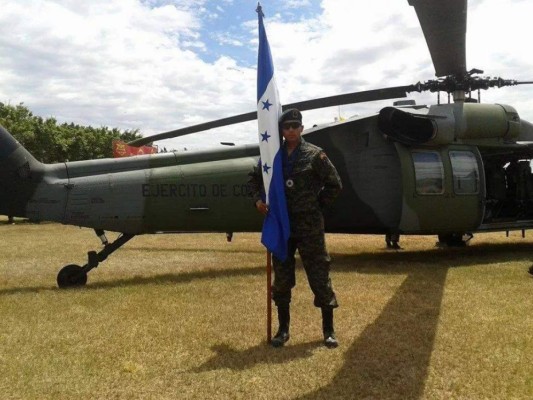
point(276, 224)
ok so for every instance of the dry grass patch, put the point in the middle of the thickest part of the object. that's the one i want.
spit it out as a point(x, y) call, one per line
point(183, 316)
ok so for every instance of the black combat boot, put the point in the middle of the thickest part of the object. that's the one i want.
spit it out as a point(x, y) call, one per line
point(284, 317)
point(327, 327)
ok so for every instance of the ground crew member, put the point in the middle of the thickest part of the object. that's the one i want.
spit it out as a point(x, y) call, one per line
point(392, 240)
point(311, 183)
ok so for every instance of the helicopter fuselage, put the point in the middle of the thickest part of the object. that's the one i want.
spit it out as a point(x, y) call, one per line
point(425, 187)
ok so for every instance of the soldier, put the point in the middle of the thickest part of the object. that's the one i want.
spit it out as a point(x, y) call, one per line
point(311, 183)
point(392, 240)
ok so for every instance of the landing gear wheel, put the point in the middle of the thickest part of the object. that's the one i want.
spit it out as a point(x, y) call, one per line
point(71, 276)
point(531, 270)
point(453, 240)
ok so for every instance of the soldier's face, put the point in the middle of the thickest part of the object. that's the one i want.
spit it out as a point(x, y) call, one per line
point(292, 132)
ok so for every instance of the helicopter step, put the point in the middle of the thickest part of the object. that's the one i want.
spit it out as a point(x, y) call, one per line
point(73, 275)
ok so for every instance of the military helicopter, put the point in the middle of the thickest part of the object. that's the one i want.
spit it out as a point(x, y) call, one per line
point(449, 169)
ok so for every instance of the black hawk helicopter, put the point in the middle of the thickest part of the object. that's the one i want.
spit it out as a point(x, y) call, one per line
point(445, 169)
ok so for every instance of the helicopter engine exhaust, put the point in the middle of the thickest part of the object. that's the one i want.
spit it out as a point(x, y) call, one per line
point(450, 123)
point(405, 127)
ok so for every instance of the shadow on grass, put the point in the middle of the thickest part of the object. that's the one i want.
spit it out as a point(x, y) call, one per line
point(389, 360)
point(180, 278)
point(391, 357)
point(402, 261)
point(379, 262)
point(199, 249)
point(226, 357)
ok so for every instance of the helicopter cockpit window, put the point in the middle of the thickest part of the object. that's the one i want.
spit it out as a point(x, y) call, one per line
point(429, 172)
point(465, 172)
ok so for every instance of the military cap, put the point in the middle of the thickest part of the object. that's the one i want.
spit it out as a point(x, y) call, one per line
point(291, 115)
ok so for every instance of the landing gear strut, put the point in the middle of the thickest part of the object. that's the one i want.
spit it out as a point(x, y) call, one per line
point(74, 276)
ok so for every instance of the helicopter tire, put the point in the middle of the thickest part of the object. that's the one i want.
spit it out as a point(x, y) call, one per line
point(452, 240)
point(531, 270)
point(71, 276)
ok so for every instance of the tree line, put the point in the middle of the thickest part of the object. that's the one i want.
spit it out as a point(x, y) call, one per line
point(51, 142)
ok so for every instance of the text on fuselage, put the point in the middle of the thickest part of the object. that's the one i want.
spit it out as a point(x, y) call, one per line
point(192, 190)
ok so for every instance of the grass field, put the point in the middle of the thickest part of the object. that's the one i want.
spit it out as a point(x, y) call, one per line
point(183, 317)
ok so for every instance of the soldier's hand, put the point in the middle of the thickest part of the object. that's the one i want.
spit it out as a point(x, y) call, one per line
point(261, 207)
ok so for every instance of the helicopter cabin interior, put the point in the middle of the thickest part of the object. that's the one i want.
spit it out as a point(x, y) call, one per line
point(508, 191)
point(509, 187)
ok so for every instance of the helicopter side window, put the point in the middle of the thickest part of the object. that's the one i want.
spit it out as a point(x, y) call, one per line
point(465, 172)
point(429, 172)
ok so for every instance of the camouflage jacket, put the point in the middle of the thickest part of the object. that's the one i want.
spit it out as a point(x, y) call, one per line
point(315, 184)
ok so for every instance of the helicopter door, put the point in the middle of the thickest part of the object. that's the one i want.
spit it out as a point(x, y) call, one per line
point(442, 189)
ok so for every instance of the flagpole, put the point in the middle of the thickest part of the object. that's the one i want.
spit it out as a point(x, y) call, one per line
point(276, 230)
point(269, 296)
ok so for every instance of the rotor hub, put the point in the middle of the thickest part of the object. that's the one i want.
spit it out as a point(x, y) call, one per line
point(465, 83)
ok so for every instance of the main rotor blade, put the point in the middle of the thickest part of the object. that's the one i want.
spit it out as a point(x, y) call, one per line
point(444, 25)
point(348, 98)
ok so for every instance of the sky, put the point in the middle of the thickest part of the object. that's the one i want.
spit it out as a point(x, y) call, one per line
point(159, 65)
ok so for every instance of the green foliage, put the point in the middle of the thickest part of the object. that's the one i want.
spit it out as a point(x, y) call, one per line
point(51, 142)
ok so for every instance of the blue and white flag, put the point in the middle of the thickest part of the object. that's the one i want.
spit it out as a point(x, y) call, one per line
point(276, 225)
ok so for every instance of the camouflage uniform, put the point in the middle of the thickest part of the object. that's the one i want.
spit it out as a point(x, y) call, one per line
point(316, 183)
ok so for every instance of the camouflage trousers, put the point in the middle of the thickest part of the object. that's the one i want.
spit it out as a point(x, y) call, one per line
point(316, 262)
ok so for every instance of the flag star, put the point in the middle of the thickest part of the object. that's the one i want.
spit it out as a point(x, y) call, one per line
point(266, 168)
point(265, 136)
point(266, 104)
